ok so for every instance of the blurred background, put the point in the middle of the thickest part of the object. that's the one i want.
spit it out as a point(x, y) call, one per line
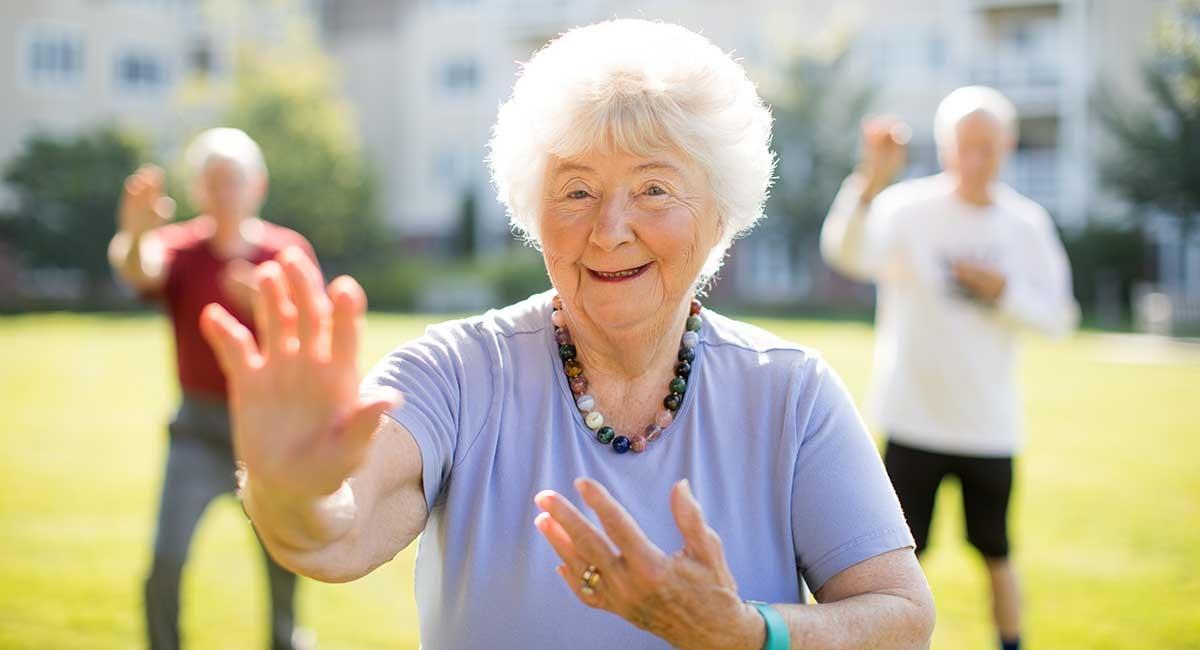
point(374, 115)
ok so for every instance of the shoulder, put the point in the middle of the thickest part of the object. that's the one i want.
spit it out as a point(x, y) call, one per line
point(1024, 211)
point(277, 238)
point(914, 192)
point(184, 235)
point(481, 339)
point(518, 320)
point(757, 350)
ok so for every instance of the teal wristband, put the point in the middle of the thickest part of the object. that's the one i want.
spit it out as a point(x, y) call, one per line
point(778, 637)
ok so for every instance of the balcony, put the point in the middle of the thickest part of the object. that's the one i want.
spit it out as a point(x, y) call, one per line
point(1034, 173)
point(1033, 83)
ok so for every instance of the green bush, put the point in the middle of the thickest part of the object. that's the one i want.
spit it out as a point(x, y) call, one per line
point(1100, 254)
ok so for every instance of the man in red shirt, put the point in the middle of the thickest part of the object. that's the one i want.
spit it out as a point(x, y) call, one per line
point(185, 266)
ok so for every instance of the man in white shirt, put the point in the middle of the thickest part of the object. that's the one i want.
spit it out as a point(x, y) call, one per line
point(961, 262)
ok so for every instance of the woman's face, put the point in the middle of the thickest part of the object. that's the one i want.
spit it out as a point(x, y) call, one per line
point(625, 236)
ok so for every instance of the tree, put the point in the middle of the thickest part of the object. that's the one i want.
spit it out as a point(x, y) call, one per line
point(817, 115)
point(285, 96)
point(1156, 162)
point(66, 197)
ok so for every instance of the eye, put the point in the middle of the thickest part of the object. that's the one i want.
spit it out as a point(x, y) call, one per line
point(577, 194)
point(655, 190)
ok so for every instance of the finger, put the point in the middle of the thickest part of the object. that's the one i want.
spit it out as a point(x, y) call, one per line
point(589, 542)
point(560, 541)
point(349, 303)
point(230, 340)
point(620, 527)
point(312, 304)
point(164, 207)
point(699, 541)
point(274, 312)
point(575, 584)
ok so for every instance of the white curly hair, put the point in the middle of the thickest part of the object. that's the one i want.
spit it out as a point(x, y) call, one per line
point(639, 87)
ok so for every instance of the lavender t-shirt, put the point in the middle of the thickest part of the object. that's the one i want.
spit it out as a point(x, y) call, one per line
point(768, 436)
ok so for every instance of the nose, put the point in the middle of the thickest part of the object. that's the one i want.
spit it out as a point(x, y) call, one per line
point(612, 227)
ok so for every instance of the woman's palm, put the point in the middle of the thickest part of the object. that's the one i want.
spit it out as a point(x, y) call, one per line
point(299, 424)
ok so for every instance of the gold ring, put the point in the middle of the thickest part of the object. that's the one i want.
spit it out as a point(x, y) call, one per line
point(590, 579)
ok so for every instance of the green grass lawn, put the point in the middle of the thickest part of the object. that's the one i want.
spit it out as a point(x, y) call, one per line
point(1107, 515)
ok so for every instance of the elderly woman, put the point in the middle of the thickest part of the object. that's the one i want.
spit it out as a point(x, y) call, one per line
point(723, 468)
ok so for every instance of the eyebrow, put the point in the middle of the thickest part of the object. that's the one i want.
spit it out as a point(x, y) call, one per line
point(656, 165)
point(650, 166)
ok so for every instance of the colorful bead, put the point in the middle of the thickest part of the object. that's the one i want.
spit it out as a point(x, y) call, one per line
point(587, 404)
point(606, 434)
point(579, 385)
point(594, 420)
point(653, 431)
point(664, 419)
point(678, 385)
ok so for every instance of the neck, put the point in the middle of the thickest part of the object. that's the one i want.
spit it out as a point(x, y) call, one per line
point(631, 355)
point(229, 236)
point(974, 195)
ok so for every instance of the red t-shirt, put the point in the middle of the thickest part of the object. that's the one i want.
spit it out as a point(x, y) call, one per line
point(194, 279)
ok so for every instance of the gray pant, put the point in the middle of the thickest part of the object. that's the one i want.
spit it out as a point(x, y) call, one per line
point(199, 468)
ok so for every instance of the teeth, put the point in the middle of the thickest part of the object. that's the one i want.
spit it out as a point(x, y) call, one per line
point(618, 274)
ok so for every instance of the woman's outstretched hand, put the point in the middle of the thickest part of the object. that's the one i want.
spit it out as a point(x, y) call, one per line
point(299, 424)
point(690, 598)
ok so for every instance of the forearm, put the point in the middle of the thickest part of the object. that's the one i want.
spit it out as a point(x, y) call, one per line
point(375, 514)
point(1056, 316)
point(894, 619)
point(843, 235)
point(131, 261)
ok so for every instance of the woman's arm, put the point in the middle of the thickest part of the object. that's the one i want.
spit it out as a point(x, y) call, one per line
point(883, 602)
point(376, 513)
point(690, 599)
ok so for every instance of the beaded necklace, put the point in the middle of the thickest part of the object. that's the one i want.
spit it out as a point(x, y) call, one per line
point(587, 404)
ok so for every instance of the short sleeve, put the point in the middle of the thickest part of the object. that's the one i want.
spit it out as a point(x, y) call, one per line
point(844, 510)
point(447, 379)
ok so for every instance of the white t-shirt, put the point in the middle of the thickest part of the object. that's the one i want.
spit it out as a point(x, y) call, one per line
point(945, 363)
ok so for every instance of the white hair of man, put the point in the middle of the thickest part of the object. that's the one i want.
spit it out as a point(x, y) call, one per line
point(639, 87)
point(968, 101)
point(225, 144)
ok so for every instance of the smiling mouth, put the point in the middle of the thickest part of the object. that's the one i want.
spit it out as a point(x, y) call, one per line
point(619, 276)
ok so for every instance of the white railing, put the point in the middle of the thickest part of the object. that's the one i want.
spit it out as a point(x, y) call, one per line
point(1034, 173)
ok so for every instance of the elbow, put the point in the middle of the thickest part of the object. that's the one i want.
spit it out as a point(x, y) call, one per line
point(333, 570)
point(922, 618)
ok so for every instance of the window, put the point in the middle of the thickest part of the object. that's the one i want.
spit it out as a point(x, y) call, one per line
point(53, 57)
point(203, 59)
point(459, 76)
point(140, 72)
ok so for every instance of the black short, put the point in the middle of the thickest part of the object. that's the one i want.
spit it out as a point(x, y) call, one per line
point(986, 487)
